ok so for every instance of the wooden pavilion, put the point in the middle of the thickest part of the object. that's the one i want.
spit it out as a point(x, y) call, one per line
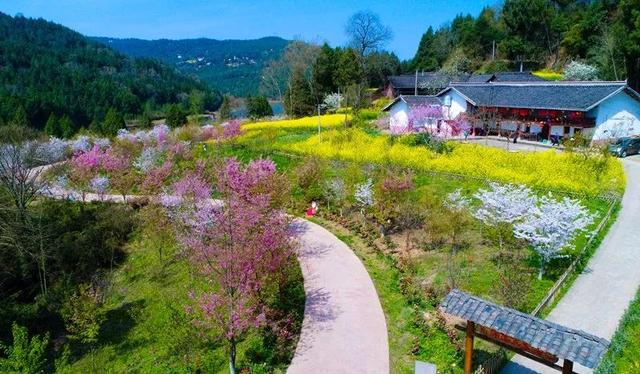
point(537, 339)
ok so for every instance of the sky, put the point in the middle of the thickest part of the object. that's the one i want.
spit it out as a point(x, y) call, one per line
point(313, 21)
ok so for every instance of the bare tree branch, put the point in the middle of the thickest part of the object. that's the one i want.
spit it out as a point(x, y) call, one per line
point(366, 32)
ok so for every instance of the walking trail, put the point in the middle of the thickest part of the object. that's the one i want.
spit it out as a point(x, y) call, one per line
point(344, 329)
point(600, 295)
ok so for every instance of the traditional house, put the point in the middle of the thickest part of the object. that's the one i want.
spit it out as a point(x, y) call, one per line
point(547, 110)
point(430, 83)
point(416, 113)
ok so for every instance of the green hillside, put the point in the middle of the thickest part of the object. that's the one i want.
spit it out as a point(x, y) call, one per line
point(46, 68)
point(230, 66)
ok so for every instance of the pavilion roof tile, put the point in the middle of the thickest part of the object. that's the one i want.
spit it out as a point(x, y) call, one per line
point(560, 341)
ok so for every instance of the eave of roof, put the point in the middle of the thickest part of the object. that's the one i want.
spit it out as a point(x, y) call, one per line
point(388, 106)
point(408, 98)
point(459, 93)
point(541, 95)
point(560, 341)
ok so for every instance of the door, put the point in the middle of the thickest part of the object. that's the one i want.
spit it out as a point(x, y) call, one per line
point(544, 134)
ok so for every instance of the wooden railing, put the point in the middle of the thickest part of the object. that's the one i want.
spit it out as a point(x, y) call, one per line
point(493, 364)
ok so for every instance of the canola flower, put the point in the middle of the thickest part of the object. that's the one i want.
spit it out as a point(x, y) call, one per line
point(546, 170)
point(326, 121)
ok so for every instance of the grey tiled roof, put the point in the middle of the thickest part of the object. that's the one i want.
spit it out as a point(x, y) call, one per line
point(574, 96)
point(560, 341)
point(441, 80)
point(431, 79)
point(415, 100)
point(480, 78)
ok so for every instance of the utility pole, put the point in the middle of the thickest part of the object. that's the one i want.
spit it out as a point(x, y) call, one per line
point(318, 119)
point(415, 90)
point(493, 51)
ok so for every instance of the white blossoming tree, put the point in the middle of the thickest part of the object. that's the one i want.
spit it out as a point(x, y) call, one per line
point(335, 192)
point(551, 227)
point(332, 101)
point(364, 195)
point(504, 205)
point(457, 201)
point(577, 71)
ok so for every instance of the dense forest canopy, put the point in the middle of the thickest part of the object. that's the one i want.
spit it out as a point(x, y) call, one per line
point(46, 69)
point(539, 34)
point(229, 66)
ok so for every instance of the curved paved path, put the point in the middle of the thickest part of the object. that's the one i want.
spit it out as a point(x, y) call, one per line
point(600, 295)
point(344, 329)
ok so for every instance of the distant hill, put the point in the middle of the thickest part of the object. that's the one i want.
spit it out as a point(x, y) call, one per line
point(47, 68)
point(230, 66)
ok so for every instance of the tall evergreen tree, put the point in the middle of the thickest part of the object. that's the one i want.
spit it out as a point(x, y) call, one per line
point(425, 58)
point(113, 122)
point(225, 108)
point(176, 116)
point(258, 107)
point(350, 69)
point(67, 128)
point(324, 71)
point(20, 117)
point(379, 66)
point(52, 128)
point(299, 100)
point(486, 31)
point(627, 29)
point(196, 102)
point(529, 26)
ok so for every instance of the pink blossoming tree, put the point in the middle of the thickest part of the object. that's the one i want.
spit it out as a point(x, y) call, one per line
point(424, 116)
point(243, 246)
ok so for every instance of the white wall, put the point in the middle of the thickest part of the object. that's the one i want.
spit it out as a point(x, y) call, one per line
point(458, 104)
point(399, 116)
point(616, 117)
point(556, 130)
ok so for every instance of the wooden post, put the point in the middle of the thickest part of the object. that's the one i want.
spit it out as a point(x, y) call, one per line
point(567, 367)
point(468, 348)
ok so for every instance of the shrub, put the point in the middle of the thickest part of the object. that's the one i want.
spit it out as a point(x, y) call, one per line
point(309, 176)
point(577, 71)
point(368, 114)
point(25, 355)
point(258, 107)
point(434, 143)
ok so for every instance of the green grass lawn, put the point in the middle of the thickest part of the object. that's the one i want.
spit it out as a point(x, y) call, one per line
point(623, 356)
point(146, 327)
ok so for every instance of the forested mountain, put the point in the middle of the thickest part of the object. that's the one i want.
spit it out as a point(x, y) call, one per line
point(46, 69)
point(231, 66)
point(539, 34)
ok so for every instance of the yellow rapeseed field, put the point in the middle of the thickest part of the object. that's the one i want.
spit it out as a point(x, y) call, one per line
point(326, 121)
point(546, 170)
